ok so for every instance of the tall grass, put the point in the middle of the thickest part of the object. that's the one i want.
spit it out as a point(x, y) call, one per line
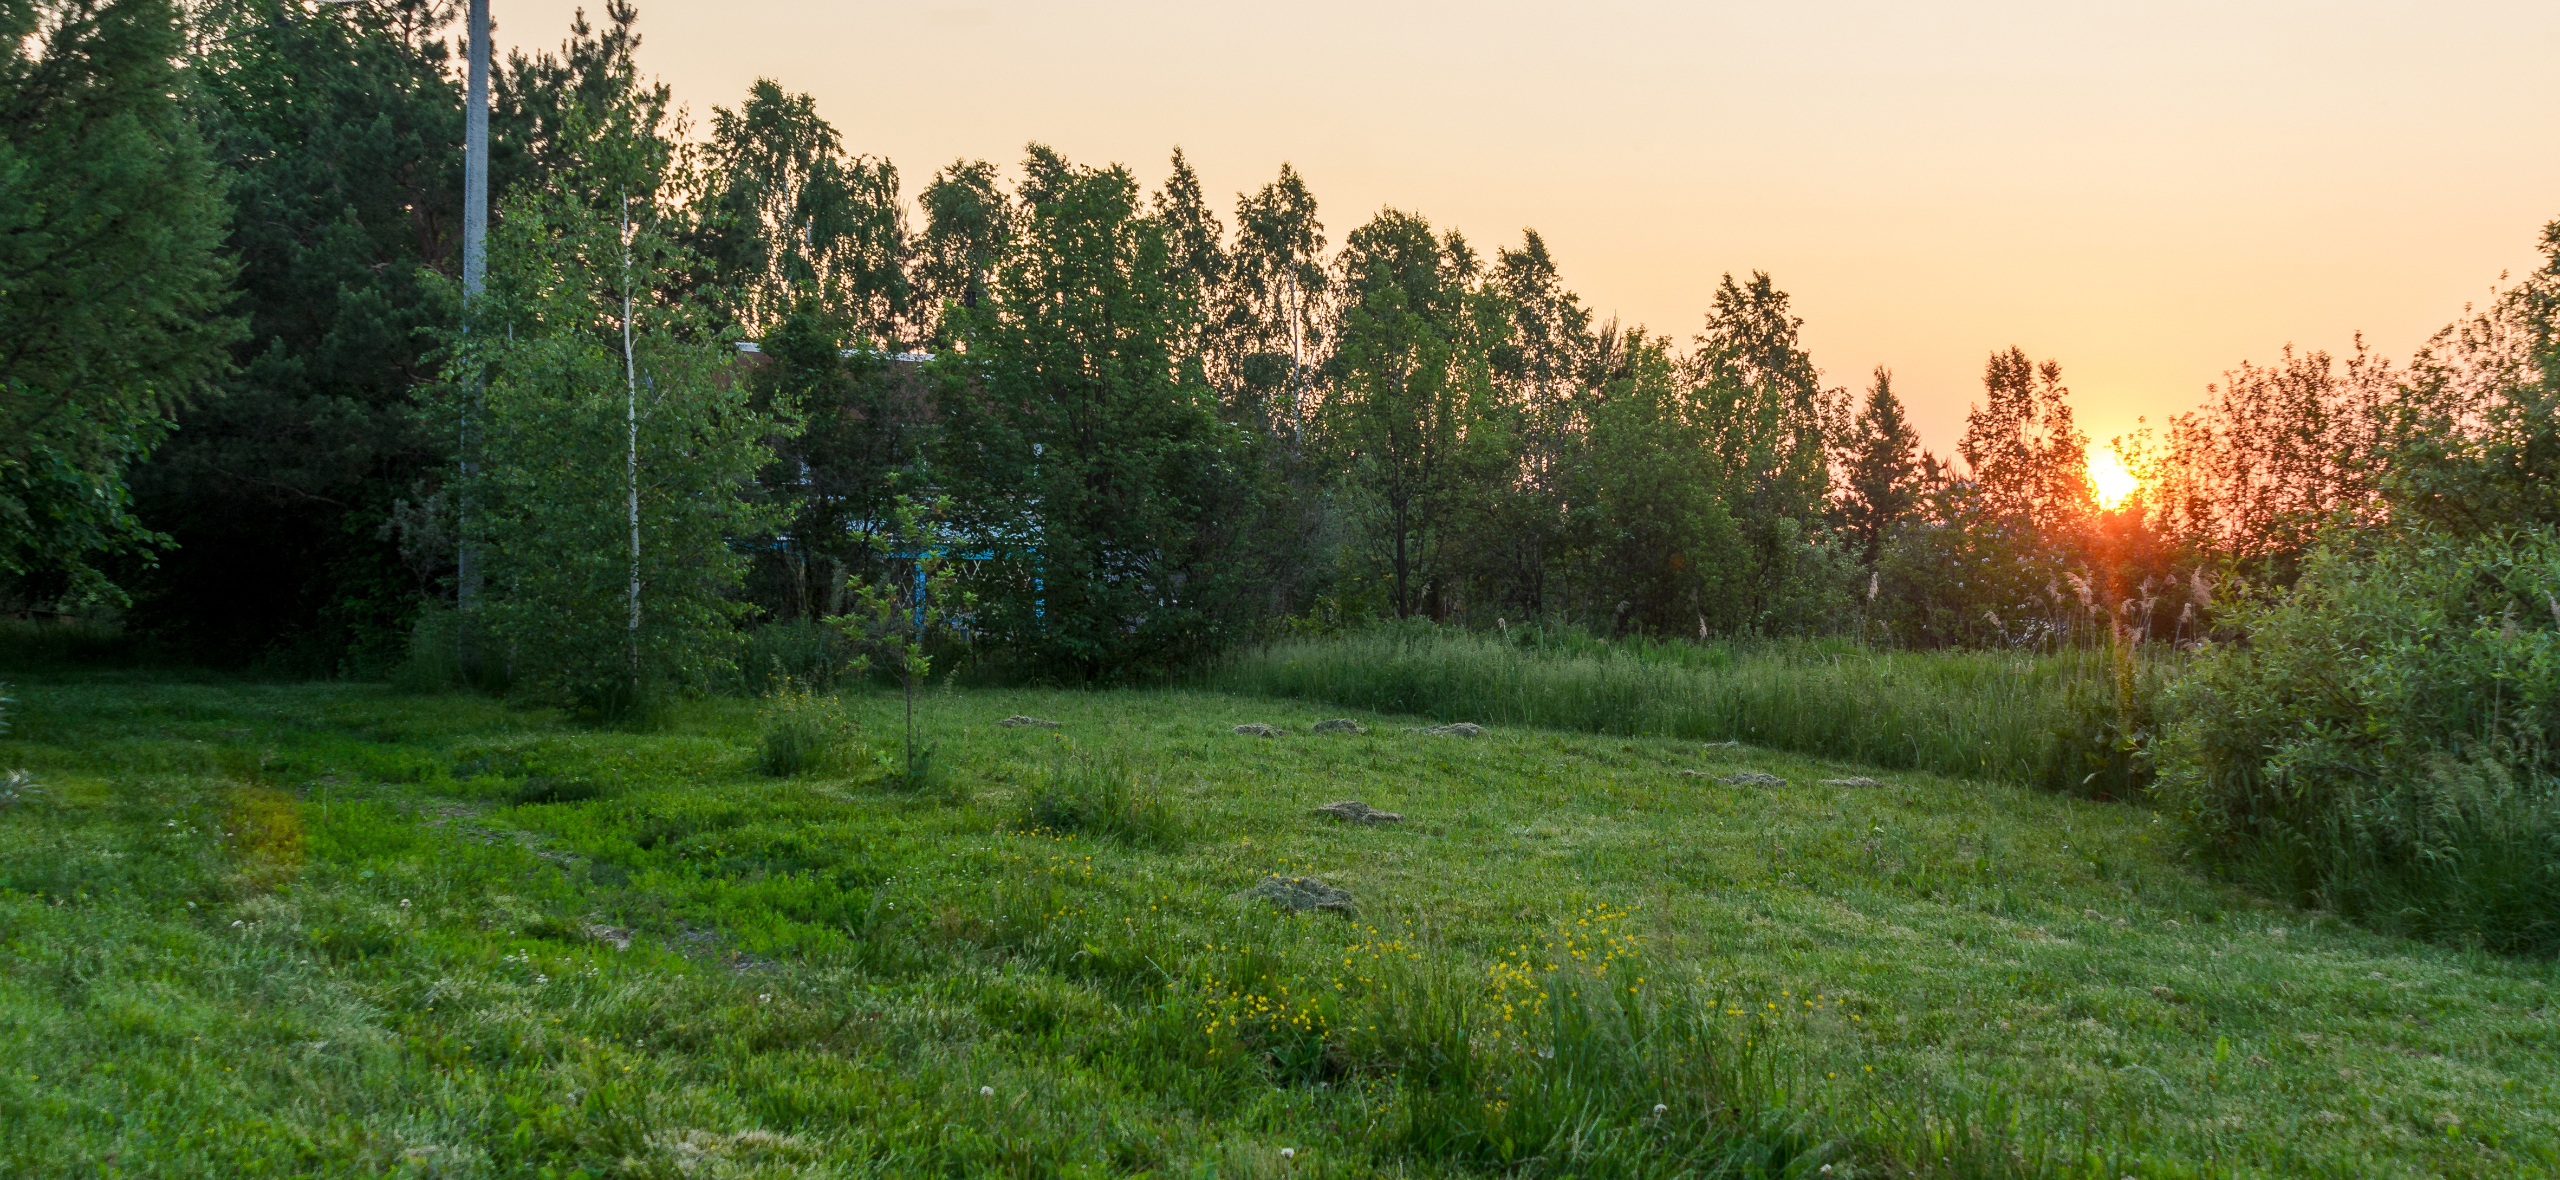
point(68, 643)
point(803, 732)
point(1996, 715)
point(1101, 795)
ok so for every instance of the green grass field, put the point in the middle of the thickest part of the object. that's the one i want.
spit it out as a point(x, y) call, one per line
point(329, 930)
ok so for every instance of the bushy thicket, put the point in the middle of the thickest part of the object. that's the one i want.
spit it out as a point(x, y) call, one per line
point(2379, 737)
point(2383, 745)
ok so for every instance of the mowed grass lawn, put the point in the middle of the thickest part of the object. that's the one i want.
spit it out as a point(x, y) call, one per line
point(330, 930)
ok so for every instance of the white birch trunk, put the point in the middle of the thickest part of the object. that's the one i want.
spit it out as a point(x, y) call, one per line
point(631, 424)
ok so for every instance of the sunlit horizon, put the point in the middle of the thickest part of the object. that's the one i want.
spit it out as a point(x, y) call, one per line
point(2148, 197)
point(2108, 477)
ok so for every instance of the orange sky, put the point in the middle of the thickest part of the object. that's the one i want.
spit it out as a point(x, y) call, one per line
point(2147, 192)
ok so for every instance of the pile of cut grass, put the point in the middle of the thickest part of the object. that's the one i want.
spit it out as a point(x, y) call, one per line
point(1993, 715)
point(324, 929)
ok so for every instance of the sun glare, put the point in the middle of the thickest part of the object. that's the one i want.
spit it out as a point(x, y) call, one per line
point(2112, 481)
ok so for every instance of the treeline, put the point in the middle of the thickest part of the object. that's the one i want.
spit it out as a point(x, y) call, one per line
point(1156, 424)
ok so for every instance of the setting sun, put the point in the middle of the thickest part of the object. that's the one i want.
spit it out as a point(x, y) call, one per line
point(2112, 481)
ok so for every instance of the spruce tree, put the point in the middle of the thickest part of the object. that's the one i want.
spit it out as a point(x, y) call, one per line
point(112, 281)
point(1882, 468)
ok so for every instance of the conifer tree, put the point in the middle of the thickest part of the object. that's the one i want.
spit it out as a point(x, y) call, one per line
point(306, 499)
point(1882, 467)
point(112, 282)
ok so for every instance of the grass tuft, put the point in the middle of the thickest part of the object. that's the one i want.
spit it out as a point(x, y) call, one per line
point(1101, 795)
point(803, 732)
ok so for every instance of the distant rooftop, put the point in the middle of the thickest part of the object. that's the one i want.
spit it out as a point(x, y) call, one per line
point(904, 358)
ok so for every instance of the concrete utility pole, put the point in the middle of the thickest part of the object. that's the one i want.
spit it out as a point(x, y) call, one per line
point(475, 239)
point(475, 162)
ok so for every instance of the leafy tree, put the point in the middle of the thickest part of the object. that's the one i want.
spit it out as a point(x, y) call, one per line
point(969, 227)
point(2474, 437)
point(860, 419)
point(1546, 366)
point(619, 445)
point(794, 220)
point(1656, 547)
point(916, 603)
point(2022, 450)
point(1769, 417)
point(1769, 425)
point(1415, 422)
point(1094, 476)
point(1883, 468)
point(1275, 316)
point(112, 281)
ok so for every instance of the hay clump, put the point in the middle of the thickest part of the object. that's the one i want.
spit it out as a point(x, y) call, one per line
point(1353, 811)
point(1464, 729)
point(1300, 894)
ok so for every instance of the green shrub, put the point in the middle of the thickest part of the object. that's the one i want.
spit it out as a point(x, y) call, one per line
point(1101, 796)
point(803, 731)
point(2383, 744)
point(434, 661)
point(804, 651)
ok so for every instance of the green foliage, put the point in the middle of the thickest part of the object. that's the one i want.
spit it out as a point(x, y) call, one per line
point(899, 617)
point(804, 651)
point(65, 643)
point(1960, 574)
point(795, 224)
point(1654, 537)
point(618, 448)
point(434, 659)
point(112, 280)
point(1884, 469)
point(1101, 795)
point(862, 419)
point(2104, 745)
point(2383, 744)
point(969, 228)
point(2476, 425)
point(1417, 427)
point(1094, 474)
point(304, 498)
point(803, 732)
